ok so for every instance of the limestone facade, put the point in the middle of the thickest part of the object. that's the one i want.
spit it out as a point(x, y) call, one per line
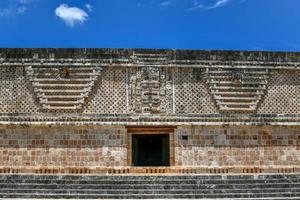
point(237, 146)
point(71, 109)
point(94, 148)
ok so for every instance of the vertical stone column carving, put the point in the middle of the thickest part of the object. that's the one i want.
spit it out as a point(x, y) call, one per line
point(150, 90)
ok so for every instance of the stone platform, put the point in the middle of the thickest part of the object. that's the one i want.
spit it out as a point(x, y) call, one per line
point(264, 186)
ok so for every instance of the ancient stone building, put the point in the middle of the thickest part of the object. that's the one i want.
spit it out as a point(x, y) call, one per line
point(149, 111)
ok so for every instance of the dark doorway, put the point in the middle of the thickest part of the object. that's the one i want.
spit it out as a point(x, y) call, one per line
point(150, 150)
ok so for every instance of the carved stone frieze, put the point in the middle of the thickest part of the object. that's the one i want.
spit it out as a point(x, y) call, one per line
point(237, 89)
point(149, 90)
point(62, 88)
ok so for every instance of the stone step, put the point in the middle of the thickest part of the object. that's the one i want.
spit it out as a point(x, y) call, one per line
point(64, 79)
point(149, 64)
point(147, 191)
point(124, 180)
point(65, 107)
point(141, 186)
point(59, 82)
point(241, 109)
point(67, 98)
point(66, 84)
point(63, 96)
point(262, 83)
point(71, 68)
point(149, 187)
point(73, 73)
point(150, 55)
point(150, 177)
point(219, 87)
point(229, 71)
point(62, 87)
point(149, 196)
point(151, 59)
point(236, 103)
point(248, 76)
point(237, 93)
point(63, 90)
point(265, 198)
point(234, 98)
point(69, 103)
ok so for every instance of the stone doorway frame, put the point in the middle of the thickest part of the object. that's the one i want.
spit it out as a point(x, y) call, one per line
point(151, 130)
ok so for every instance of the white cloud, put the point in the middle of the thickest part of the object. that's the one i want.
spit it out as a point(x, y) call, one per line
point(21, 9)
point(166, 3)
point(89, 7)
point(218, 3)
point(71, 15)
point(196, 5)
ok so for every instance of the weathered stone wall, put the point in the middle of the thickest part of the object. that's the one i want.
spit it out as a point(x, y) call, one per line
point(101, 147)
point(237, 146)
point(63, 147)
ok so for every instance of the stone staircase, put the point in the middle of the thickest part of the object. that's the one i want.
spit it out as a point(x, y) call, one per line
point(62, 88)
point(237, 89)
point(150, 187)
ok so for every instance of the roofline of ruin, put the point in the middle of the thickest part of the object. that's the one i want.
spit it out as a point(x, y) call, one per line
point(98, 53)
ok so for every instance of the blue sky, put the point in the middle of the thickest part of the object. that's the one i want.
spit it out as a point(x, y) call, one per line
point(176, 24)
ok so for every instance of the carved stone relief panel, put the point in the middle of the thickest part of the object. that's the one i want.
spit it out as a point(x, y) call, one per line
point(150, 90)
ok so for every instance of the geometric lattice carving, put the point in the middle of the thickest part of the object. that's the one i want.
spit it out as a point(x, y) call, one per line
point(191, 92)
point(237, 89)
point(283, 94)
point(15, 96)
point(62, 88)
point(110, 93)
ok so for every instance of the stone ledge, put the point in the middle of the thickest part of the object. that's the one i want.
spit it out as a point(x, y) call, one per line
point(152, 170)
point(89, 53)
point(143, 120)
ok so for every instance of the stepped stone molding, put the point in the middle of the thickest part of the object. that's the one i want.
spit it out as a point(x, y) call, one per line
point(62, 88)
point(191, 93)
point(237, 89)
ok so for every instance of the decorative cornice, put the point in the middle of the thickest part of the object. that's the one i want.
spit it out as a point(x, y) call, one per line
point(213, 119)
point(154, 58)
